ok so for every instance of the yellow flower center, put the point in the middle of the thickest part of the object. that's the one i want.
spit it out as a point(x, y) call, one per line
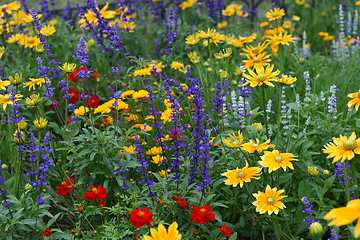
point(193, 41)
point(260, 77)
point(47, 32)
point(35, 80)
point(202, 210)
point(141, 213)
point(242, 38)
point(278, 158)
point(255, 50)
point(280, 39)
point(256, 59)
point(254, 145)
point(94, 190)
point(241, 174)
point(63, 183)
point(5, 98)
point(350, 144)
point(32, 102)
point(30, 40)
point(275, 14)
point(236, 142)
point(358, 94)
point(270, 200)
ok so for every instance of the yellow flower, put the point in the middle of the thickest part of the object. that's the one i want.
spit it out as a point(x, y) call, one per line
point(121, 105)
point(239, 71)
point(217, 38)
point(343, 148)
point(108, 120)
point(68, 67)
point(15, 38)
point(30, 41)
point(139, 95)
point(130, 149)
point(145, 128)
point(222, 25)
point(255, 50)
point(287, 25)
point(226, 52)
point(257, 60)
point(312, 170)
point(194, 58)
point(209, 34)
point(16, 137)
point(184, 86)
point(33, 100)
point(274, 14)
point(127, 94)
point(162, 173)
point(224, 74)
point(33, 82)
point(296, 18)
point(102, 109)
point(329, 38)
point(234, 177)
point(192, 39)
point(229, 11)
point(355, 102)
point(251, 147)
point(81, 111)
point(40, 123)
point(300, 2)
point(14, 6)
point(3, 84)
point(157, 159)
point(275, 160)
point(281, 39)
point(162, 234)
point(264, 24)
point(176, 65)
point(133, 117)
point(257, 126)
point(142, 72)
point(261, 76)
point(269, 201)
point(53, 22)
point(346, 215)
point(235, 142)
point(39, 48)
point(29, 19)
point(91, 17)
point(184, 69)
point(22, 125)
point(166, 115)
point(5, 99)
point(2, 51)
point(229, 39)
point(316, 229)
point(48, 30)
point(154, 151)
point(287, 80)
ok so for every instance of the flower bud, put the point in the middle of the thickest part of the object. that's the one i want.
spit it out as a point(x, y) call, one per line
point(22, 125)
point(257, 126)
point(316, 229)
point(312, 171)
point(301, 60)
point(28, 187)
point(326, 172)
point(4, 166)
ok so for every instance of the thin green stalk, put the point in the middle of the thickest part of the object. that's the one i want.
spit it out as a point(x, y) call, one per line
point(346, 183)
point(354, 177)
point(209, 44)
point(287, 224)
point(279, 115)
point(264, 107)
point(321, 200)
point(248, 193)
point(278, 179)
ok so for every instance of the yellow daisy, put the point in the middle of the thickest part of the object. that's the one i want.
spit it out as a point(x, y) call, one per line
point(192, 39)
point(176, 65)
point(261, 76)
point(251, 147)
point(30, 41)
point(40, 123)
point(283, 39)
point(131, 149)
point(217, 38)
point(3, 84)
point(48, 30)
point(209, 34)
point(68, 67)
point(33, 100)
point(255, 50)
point(161, 234)
point(235, 142)
point(5, 99)
point(286, 80)
point(355, 102)
point(140, 95)
point(102, 109)
point(234, 177)
point(343, 148)
point(127, 94)
point(15, 38)
point(81, 111)
point(157, 159)
point(33, 82)
point(108, 120)
point(154, 151)
point(275, 160)
point(257, 60)
point(269, 201)
point(275, 13)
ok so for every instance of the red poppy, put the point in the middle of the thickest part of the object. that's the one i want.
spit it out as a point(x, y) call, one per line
point(177, 136)
point(57, 104)
point(65, 187)
point(74, 94)
point(181, 202)
point(68, 120)
point(138, 217)
point(98, 193)
point(46, 233)
point(94, 101)
point(95, 75)
point(102, 204)
point(202, 214)
point(73, 76)
point(226, 231)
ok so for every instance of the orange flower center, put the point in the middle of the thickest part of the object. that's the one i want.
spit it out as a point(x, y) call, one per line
point(202, 210)
point(241, 174)
point(63, 183)
point(94, 190)
point(278, 158)
point(350, 144)
point(141, 213)
point(260, 77)
point(256, 59)
point(275, 14)
point(270, 200)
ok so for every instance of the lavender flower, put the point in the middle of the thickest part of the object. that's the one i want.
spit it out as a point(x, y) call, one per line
point(334, 235)
point(3, 192)
point(66, 15)
point(332, 102)
point(308, 210)
point(122, 171)
point(220, 96)
point(339, 172)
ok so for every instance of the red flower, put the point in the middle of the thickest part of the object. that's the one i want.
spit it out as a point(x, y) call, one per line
point(138, 217)
point(65, 187)
point(172, 134)
point(46, 233)
point(94, 101)
point(74, 94)
point(102, 204)
point(68, 120)
point(226, 231)
point(98, 193)
point(202, 214)
point(181, 202)
point(57, 104)
point(73, 76)
point(95, 75)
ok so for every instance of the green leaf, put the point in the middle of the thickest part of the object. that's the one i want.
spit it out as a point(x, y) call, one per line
point(52, 220)
point(234, 236)
point(304, 189)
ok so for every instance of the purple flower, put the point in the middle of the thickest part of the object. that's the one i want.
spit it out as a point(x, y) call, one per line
point(309, 220)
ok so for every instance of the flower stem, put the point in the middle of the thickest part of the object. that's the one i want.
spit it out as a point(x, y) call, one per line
point(352, 163)
point(287, 224)
point(264, 107)
point(346, 183)
point(279, 115)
